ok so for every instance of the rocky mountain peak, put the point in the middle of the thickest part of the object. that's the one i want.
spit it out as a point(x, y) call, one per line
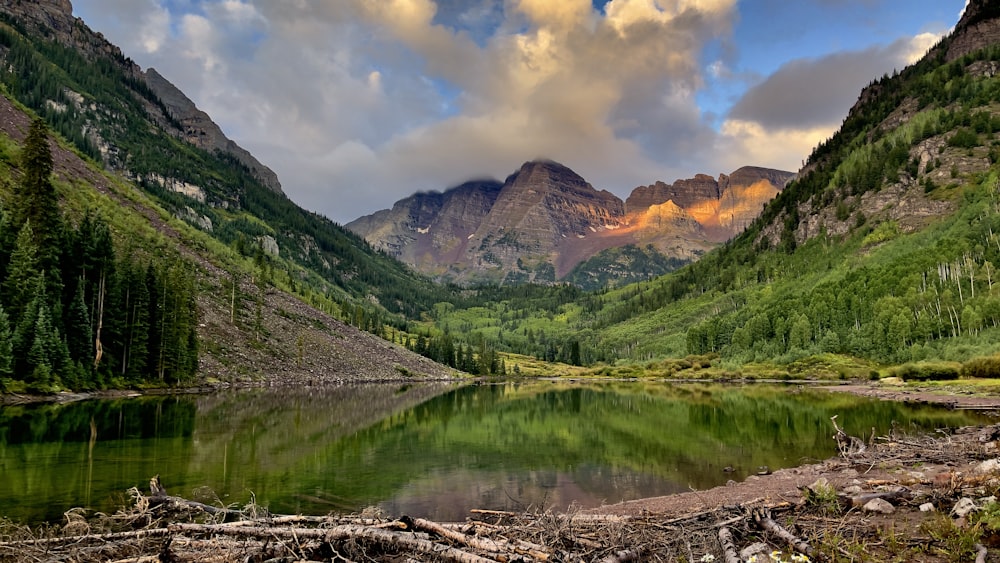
point(978, 28)
point(546, 219)
point(546, 174)
point(684, 193)
point(54, 20)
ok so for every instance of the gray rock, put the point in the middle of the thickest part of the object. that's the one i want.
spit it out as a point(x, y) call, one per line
point(927, 507)
point(988, 466)
point(879, 505)
point(758, 548)
point(963, 507)
point(821, 485)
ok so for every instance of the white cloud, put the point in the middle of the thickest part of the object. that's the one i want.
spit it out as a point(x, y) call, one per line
point(744, 142)
point(154, 30)
point(919, 45)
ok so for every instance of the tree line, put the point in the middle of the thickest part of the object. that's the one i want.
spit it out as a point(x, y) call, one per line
point(75, 311)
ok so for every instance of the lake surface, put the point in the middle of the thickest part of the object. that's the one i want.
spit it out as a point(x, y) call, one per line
point(429, 450)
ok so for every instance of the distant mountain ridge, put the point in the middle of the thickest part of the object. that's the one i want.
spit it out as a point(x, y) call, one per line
point(545, 220)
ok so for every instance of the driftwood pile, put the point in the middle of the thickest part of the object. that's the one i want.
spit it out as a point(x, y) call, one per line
point(161, 528)
point(164, 528)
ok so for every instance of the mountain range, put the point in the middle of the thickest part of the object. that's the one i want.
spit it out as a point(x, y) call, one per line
point(545, 223)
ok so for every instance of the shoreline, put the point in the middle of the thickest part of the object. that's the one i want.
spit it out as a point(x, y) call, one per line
point(952, 395)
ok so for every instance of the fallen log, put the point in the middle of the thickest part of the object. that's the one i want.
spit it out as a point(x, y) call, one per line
point(522, 547)
point(387, 538)
point(489, 545)
point(764, 521)
point(110, 537)
point(729, 553)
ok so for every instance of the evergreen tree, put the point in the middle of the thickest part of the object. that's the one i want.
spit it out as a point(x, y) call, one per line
point(36, 200)
point(6, 351)
point(79, 337)
point(136, 354)
point(23, 273)
point(40, 354)
point(8, 234)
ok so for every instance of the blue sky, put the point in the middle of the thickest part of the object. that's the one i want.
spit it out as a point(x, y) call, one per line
point(358, 103)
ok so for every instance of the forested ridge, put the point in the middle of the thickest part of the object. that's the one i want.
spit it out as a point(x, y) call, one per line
point(110, 114)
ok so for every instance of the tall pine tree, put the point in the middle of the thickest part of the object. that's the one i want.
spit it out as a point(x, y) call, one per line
point(6, 351)
point(36, 200)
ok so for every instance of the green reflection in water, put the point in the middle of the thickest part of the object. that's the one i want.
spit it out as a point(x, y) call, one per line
point(428, 450)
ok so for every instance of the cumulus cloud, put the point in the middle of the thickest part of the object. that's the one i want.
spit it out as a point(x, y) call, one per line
point(810, 92)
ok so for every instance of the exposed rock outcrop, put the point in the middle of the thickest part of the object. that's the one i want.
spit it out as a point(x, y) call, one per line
point(979, 28)
point(429, 230)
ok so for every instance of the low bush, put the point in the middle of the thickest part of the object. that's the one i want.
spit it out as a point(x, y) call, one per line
point(926, 371)
point(986, 367)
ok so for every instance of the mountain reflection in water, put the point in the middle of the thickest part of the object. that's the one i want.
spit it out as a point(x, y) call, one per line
point(430, 450)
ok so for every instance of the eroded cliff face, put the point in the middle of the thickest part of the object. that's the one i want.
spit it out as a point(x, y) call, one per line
point(908, 199)
point(684, 193)
point(979, 28)
point(430, 230)
point(721, 208)
point(545, 219)
point(54, 20)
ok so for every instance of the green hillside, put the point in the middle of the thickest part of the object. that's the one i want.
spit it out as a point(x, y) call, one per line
point(98, 103)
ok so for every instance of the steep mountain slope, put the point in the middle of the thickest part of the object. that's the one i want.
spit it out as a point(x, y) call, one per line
point(545, 223)
point(426, 229)
point(885, 245)
point(105, 105)
point(249, 246)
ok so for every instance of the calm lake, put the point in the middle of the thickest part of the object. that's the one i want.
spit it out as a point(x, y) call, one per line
point(429, 450)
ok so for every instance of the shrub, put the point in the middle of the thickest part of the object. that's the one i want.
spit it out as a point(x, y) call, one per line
point(964, 138)
point(924, 371)
point(985, 367)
